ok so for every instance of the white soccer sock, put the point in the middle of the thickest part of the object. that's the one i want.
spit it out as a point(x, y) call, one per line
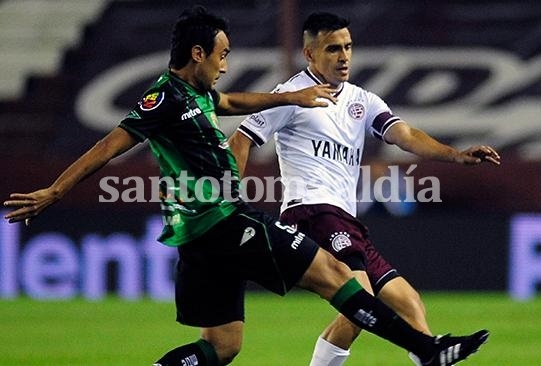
point(327, 354)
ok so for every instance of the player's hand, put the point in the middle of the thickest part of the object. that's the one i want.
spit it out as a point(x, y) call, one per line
point(478, 154)
point(28, 205)
point(313, 96)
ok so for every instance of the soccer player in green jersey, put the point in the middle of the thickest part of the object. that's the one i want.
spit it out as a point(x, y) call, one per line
point(222, 242)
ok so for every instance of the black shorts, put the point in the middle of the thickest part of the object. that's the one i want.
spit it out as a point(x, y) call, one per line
point(344, 237)
point(249, 245)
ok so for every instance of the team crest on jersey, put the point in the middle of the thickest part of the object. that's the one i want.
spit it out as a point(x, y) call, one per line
point(356, 110)
point(340, 240)
point(151, 101)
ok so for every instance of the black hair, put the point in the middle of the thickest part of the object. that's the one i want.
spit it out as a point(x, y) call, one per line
point(194, 26)
point(326, 22)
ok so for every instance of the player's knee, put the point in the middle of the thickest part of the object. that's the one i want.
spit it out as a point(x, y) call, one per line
point(337, 272)
point(339, 269)
point(226, 349)
point(227, 352)
point(326, 275)
point(227, 358)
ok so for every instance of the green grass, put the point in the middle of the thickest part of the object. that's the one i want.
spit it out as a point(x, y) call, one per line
point(279, 331)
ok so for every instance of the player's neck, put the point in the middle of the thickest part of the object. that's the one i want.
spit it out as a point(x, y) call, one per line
point(321, 79)
point(187, 74)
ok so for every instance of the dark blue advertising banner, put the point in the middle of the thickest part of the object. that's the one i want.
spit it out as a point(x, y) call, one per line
point(91, 254)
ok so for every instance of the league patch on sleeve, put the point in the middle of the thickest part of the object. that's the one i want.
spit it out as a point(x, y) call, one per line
point(151, 101)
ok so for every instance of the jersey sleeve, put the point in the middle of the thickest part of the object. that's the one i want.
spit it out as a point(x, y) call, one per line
point(260, 127)
point(154, 107)
point(380, 117)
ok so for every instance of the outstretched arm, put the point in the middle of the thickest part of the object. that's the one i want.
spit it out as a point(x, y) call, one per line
point(246, 103)
point(28, 205)
point(240, 146)
point(421, 144)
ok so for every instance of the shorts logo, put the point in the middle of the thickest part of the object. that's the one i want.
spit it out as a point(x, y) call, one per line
point(340, 240)
point(151, 101)
point(297, 241)
point(356, 110)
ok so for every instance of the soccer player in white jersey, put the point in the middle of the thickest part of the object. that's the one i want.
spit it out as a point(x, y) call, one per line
point(320, 151)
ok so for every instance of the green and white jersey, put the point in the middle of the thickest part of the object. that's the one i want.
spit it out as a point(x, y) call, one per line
point(199, 180)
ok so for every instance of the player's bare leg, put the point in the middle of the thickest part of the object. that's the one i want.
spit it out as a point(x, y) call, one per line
point(400, 296)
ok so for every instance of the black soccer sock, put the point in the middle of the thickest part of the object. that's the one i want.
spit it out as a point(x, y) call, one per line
point(371, 314)
point(200, 353)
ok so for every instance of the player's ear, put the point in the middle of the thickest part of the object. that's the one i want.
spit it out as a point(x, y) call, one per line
point(307, 54)
point(198, 53)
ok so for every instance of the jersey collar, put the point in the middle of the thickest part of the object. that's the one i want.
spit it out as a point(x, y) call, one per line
point(317, 81)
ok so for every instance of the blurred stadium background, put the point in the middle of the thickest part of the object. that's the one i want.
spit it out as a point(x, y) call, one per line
point(465, 71)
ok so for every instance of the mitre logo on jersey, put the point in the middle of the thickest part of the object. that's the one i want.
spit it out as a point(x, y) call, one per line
point(151, 101)
point(190, 114)
point(340, 240)
point(356, 110)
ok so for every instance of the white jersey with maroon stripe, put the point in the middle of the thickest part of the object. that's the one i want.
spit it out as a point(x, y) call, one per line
point(320, 149)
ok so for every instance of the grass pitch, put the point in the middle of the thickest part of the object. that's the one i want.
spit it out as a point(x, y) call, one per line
point(278, 332)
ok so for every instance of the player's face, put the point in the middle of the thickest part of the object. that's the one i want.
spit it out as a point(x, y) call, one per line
point(329, 56)
point(215, 63)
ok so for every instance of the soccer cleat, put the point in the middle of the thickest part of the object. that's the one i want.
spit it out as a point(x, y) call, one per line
point(450, 350)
